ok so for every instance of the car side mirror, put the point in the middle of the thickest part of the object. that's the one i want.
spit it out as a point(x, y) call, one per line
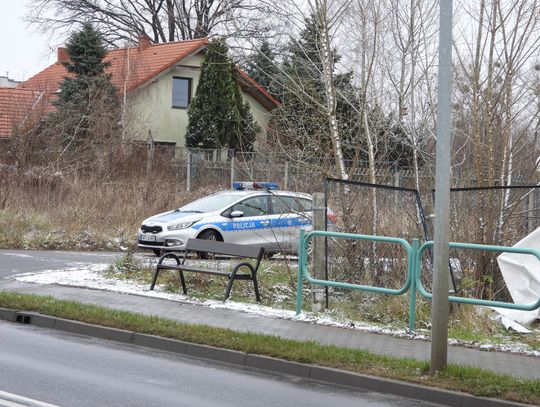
point(236, 214)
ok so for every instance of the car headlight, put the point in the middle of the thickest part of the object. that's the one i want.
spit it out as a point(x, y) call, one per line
point(182, 225)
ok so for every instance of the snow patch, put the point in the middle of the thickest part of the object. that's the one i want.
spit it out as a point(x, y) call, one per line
point(92, 276)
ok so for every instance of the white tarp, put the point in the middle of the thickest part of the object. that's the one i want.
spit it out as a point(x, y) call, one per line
point(521, 272)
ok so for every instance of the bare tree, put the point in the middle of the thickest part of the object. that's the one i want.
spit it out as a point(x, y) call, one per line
point(160, 20)
point(413, 26)
point(497, 108)
point(328, 14)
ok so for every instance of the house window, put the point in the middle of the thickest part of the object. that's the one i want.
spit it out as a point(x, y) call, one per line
point(181, 92)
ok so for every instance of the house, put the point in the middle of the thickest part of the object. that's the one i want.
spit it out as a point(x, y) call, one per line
point(157, 82)
point(20, 110)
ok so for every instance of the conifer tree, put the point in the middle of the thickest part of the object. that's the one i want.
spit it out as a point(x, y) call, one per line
point(301, 119)
point(218, 117)
point(263, 68)
point(88, 93)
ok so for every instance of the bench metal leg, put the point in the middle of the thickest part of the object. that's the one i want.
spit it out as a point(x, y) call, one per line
point(253, 277)
point(182, 281)
point(229, 284)
point(154, 279)
point(255, 286)
point(158, 268)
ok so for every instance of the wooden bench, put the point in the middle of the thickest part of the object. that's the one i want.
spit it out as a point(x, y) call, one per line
point(215, 247)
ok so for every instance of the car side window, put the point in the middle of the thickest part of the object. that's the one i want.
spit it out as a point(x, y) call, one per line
point(255, 206)
point(281, 204)
point(301, 205)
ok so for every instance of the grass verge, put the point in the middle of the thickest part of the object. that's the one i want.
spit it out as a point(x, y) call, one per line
point(277, 283)
point(459, 378)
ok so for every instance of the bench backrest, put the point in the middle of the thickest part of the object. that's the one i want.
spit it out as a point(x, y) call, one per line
point(231, 249)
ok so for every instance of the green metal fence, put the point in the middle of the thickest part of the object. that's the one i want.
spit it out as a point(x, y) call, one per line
point(413, 283)
point(474, 301)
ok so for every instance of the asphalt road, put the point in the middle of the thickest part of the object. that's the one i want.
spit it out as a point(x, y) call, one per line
point(14, 262)
point(29, 261)
point(71, 370)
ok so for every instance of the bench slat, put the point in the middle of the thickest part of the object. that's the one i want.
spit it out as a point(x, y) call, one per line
point(212, 246)
point(231, 249)
point(201, 270)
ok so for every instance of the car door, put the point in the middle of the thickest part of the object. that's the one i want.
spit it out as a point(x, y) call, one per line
point(253, 227)
point(288, 216)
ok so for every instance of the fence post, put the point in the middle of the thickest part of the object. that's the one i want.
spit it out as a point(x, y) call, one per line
point(286, 180)
point(301, 255)
point(318, 251)
point(188, 172)
point(531, 211)
point(397, 183)
point(412, 288)
point(232, 169)
point(149, 157)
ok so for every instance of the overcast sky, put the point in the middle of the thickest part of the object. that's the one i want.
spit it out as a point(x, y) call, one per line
point(23, 50)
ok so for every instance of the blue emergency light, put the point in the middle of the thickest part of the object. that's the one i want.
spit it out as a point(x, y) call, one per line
point(255, 185)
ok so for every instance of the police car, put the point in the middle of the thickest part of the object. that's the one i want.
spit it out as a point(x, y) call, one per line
point(252, 213)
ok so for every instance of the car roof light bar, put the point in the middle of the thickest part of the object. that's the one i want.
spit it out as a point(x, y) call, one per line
point(241, 186)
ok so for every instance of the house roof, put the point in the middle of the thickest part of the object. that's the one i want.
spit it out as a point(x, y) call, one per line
point(132, 67)
point(16, 105)
point(129, 67)
point(249, 85)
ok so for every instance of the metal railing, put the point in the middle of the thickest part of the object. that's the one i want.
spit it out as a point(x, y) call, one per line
point(413, 283)
point(303, 271)
point(474, 301)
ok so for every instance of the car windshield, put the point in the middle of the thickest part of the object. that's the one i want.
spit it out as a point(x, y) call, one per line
point(210, 203)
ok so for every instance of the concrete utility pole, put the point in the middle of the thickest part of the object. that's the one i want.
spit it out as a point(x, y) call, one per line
point(318, 209)
point(439, 307)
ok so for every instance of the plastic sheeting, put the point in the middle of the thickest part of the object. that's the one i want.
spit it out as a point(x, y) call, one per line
point(521, 272)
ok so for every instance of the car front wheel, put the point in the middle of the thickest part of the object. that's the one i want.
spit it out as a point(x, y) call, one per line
point(208, 235)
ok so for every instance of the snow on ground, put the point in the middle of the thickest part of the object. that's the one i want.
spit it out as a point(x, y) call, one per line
point(18, 255)
point(92, 276)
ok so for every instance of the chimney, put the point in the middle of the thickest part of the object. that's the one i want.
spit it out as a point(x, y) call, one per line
point(144, 42)
point(63, 55)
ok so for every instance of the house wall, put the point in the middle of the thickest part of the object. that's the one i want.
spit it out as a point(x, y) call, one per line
point(260, 115)
point(150, 110)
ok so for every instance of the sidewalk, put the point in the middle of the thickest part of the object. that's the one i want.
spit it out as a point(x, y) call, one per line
point(500, 362)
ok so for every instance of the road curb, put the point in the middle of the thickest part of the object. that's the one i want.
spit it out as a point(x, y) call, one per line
point(264, 363)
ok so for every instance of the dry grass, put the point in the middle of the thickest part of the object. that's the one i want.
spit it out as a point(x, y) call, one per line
point(51, 210)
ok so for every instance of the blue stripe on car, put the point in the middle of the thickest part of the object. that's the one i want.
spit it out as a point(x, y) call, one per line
point(236, 226)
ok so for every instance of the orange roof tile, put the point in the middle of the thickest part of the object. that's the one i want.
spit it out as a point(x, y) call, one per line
point(130, 67)
point(250, 85)
point(16, 107)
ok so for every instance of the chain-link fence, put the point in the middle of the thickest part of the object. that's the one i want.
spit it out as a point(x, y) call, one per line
point(369, 209)
point(210, 167)
point(499, 215)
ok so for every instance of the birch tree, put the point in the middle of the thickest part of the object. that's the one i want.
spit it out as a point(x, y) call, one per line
point(498, 103)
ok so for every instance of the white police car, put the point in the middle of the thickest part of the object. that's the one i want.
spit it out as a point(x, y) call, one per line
point(252, 213)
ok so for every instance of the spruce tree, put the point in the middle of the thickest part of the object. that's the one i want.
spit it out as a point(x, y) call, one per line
point(303, 124)
point(301, 119)
point(262, 68)
point(218, 117)
point(89, 92)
